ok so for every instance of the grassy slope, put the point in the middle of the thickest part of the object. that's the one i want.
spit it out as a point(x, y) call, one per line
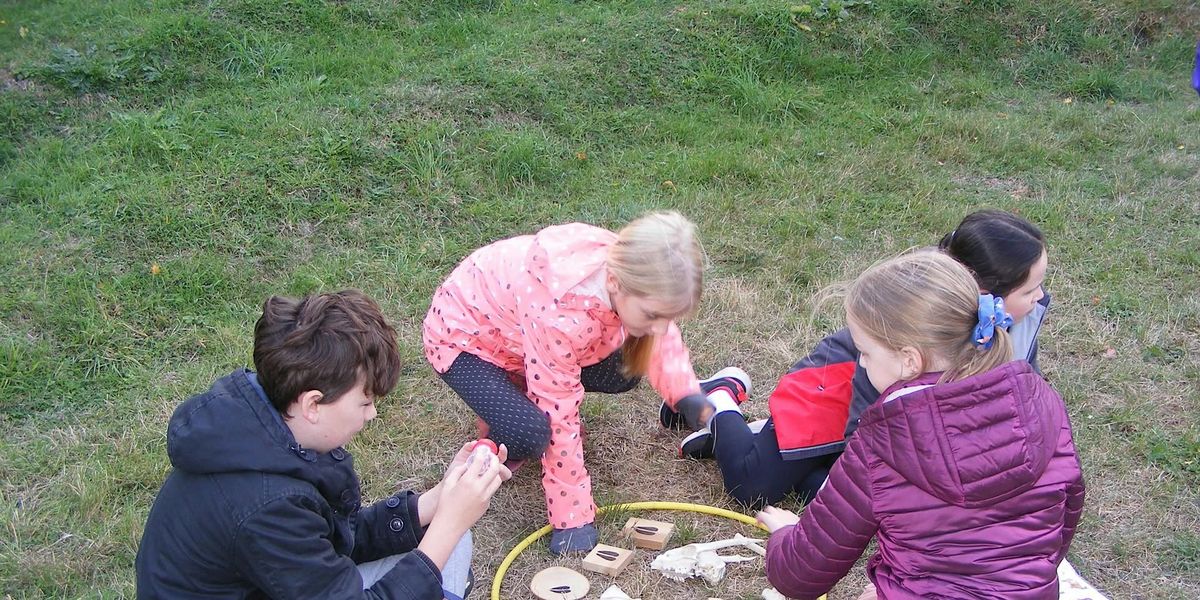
point(164, 166)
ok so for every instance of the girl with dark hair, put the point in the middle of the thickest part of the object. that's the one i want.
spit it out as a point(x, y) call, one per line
point(815, 407)
point(1007, 256)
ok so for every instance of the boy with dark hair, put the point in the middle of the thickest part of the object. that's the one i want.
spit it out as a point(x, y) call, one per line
point(264, 502)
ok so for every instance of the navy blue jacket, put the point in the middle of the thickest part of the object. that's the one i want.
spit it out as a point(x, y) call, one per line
point(248, 513)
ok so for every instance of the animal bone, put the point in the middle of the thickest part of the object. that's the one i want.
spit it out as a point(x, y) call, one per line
point(615, 593)
point(771, 594)
point(702, 560)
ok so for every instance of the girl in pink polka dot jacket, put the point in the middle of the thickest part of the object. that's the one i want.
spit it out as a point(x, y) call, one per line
point(524, 326)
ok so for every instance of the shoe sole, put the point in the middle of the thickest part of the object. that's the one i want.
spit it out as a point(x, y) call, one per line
point(705, 437)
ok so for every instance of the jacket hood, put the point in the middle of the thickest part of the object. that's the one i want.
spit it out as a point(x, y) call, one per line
point(233, 428)
point(971, 442)
point(562, 256)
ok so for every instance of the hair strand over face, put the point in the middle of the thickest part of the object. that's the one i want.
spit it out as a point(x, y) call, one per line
point(657, 256)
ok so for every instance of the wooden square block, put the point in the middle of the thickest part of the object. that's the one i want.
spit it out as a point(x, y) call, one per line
point(608, 560)
point(649, 534)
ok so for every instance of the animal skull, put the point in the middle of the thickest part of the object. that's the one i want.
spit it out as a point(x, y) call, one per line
point(702, 560)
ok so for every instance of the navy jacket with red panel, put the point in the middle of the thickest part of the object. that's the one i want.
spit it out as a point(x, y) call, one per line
point(816, 406)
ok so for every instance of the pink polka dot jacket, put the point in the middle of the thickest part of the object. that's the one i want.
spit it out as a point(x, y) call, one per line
point(534, 305)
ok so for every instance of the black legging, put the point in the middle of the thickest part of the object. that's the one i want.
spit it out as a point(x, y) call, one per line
point(512, 418)
point(755, 473)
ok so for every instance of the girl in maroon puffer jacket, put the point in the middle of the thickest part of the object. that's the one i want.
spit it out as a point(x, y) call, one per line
point(965, 471)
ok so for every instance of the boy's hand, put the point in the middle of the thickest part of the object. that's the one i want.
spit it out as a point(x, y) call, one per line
point(467, 492)
point(460, 458)
point(464, 455)
point(464, 496)
point(503, 456)
point(429, 502)
point(775, 519)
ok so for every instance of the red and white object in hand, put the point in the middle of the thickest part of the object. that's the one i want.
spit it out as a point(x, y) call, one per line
point(483, 453)
point(485, 443)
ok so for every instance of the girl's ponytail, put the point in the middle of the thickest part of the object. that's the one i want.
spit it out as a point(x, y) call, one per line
point(990, 344)
point(635, 355)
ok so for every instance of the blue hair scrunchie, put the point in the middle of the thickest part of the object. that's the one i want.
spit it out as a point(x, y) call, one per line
point(991, 316)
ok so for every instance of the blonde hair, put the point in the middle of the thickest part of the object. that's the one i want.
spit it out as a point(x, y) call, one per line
point(657, 256)
point(930, 302)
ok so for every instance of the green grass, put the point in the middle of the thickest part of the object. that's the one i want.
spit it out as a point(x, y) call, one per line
point(166, 166)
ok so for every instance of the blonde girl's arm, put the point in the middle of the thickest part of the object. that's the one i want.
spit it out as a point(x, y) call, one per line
point(670, 371)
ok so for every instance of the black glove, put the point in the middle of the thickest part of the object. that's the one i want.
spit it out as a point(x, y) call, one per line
point(694, 408)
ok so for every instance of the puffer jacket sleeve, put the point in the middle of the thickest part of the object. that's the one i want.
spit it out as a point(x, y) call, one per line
point(670, 371)
point(283, 550)
point(1075, 490)
point(552, 376)
point(809, 558)
point(387, 527)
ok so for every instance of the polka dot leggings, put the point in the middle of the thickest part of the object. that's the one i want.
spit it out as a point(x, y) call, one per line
point(513, 419)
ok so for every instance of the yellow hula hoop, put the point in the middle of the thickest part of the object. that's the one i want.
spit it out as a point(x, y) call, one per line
point(683, 506)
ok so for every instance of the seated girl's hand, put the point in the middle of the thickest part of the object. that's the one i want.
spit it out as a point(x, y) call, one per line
point(775, 519)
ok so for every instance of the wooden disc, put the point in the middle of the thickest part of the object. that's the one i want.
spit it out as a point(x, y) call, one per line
point(559, 583)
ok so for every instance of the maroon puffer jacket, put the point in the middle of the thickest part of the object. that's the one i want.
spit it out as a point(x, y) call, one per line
point(973, 489)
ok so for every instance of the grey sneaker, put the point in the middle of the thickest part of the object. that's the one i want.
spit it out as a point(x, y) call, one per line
point(576, 539)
